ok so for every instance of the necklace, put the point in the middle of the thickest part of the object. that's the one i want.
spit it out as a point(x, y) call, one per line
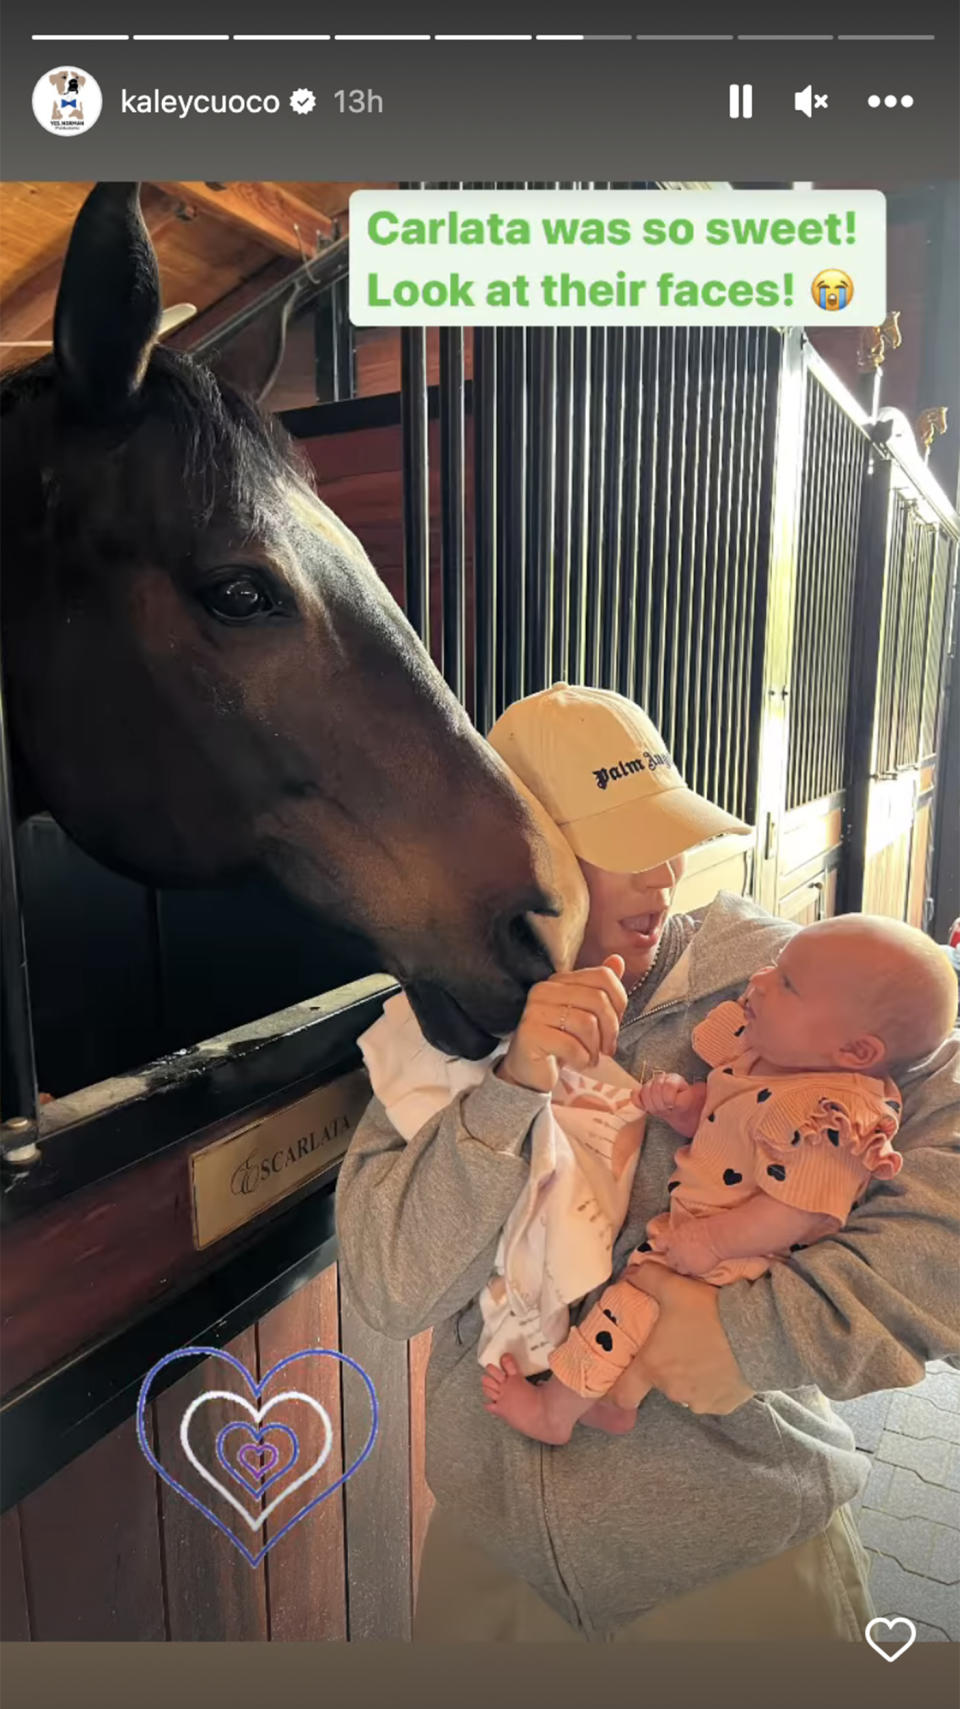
point(631, 989)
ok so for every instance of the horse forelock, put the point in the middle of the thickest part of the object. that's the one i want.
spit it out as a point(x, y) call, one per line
point(184, 426)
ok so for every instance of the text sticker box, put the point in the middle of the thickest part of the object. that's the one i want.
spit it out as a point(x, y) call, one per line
point(617, 257)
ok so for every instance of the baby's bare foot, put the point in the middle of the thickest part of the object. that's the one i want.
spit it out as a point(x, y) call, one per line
point(606, 1415)
point(521, 1404)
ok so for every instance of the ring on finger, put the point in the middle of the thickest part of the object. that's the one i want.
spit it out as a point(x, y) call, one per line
point(562, 1022)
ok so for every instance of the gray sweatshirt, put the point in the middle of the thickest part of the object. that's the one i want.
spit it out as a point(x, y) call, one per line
point(606, 1526)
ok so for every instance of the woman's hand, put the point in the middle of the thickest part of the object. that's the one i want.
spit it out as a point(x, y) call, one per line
point(673, 1100)
point(570, 1019)
point(687, 1355)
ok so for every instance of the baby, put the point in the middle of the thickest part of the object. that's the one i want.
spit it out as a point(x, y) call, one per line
point(794, 1121)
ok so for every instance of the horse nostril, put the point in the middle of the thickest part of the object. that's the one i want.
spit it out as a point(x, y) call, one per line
point(526, 958)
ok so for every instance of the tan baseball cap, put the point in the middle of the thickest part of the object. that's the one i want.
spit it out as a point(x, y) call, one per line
point(602, 771)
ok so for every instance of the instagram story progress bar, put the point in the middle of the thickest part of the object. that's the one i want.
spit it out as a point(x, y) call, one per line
point(741, 100)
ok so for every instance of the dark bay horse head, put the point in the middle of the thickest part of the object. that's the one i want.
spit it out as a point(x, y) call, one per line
point(207, 677)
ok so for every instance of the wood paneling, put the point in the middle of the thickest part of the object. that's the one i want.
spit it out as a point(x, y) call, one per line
point(95, 1257)
point(889, 830)
point(809, 833)
point(91, 1547)
point(810, 850)
point(815, 899)
point(212, 1592)
point(110, 1551)
point(14, 1611)
point(724, 864)
point(919, 857)
point(378, 359)
point(885, 887)
point(306, 1590)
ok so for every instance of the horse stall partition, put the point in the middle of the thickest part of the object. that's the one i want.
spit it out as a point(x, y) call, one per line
point(703, 519)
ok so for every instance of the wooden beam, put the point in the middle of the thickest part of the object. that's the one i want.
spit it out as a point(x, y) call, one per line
point(227, 306)
point(265, 211)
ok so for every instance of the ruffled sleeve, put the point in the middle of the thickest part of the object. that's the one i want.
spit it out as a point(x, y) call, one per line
point(717, 1037)
point(819, 1143)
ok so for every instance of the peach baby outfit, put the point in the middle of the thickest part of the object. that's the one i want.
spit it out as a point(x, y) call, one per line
point(812, 1140)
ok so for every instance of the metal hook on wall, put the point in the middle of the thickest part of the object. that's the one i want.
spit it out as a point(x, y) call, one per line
point(320, 244)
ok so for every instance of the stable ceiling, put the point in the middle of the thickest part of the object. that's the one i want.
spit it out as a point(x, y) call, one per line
point(219, 246)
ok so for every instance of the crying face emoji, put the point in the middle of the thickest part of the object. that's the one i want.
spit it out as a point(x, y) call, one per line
point(832, 289)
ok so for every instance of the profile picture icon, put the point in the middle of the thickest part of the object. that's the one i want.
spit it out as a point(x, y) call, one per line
point(832, 289)
point(67, 100)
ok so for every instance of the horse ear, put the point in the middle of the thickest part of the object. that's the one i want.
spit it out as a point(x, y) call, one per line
point(249, 361)
point(108, 307)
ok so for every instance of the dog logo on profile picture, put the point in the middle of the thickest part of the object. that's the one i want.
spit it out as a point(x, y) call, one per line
point(67, 101)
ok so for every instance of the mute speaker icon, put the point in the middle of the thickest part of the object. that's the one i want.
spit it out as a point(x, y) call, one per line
point(805, 100)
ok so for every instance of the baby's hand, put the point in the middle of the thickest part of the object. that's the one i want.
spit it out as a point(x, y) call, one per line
point(674, 1100)
point(666, 1094)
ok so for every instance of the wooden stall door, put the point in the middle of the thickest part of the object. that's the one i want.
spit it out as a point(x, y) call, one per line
point(826, 544)
point(106, 1551)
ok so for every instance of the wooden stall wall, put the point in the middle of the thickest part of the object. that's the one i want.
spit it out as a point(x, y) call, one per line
point(919, 573)
point(803, 828)
point(106, 1551)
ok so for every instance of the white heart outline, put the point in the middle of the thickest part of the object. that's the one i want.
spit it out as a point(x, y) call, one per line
point(231, 1394)
point(896, 1620)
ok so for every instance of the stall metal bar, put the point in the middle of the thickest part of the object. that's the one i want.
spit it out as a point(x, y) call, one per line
point(513, 533)
point(344, 345)
point(416, 479)
point(485, 526)
point(451, 505)
point(540, 555)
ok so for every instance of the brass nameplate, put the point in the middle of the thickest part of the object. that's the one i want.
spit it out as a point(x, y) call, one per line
point(236, 1178)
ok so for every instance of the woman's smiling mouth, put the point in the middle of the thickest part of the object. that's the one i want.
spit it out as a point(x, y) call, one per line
point(645, 929)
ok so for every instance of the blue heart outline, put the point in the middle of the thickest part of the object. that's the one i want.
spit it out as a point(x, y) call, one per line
point(259, 1432)
point(258, 1388)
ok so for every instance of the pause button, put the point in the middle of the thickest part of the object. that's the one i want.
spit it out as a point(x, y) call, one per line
point(741, 100)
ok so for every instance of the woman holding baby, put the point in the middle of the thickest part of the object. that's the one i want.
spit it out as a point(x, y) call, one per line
point(790, 1234)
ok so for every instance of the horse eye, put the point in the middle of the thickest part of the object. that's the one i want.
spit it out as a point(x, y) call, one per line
point(238, 599)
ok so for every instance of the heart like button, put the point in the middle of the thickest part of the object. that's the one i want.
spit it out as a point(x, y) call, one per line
point(257, 1415)
point(898, 1620)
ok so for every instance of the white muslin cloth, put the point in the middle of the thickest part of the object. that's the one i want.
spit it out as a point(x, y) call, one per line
point(557, 1242)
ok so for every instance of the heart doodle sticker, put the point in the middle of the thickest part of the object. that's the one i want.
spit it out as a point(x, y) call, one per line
point(898, 1620)
point(258, 1457)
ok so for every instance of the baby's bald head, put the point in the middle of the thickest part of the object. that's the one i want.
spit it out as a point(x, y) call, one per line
point(893, 981)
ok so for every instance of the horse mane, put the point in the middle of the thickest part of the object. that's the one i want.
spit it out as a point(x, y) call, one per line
point(222, 441)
